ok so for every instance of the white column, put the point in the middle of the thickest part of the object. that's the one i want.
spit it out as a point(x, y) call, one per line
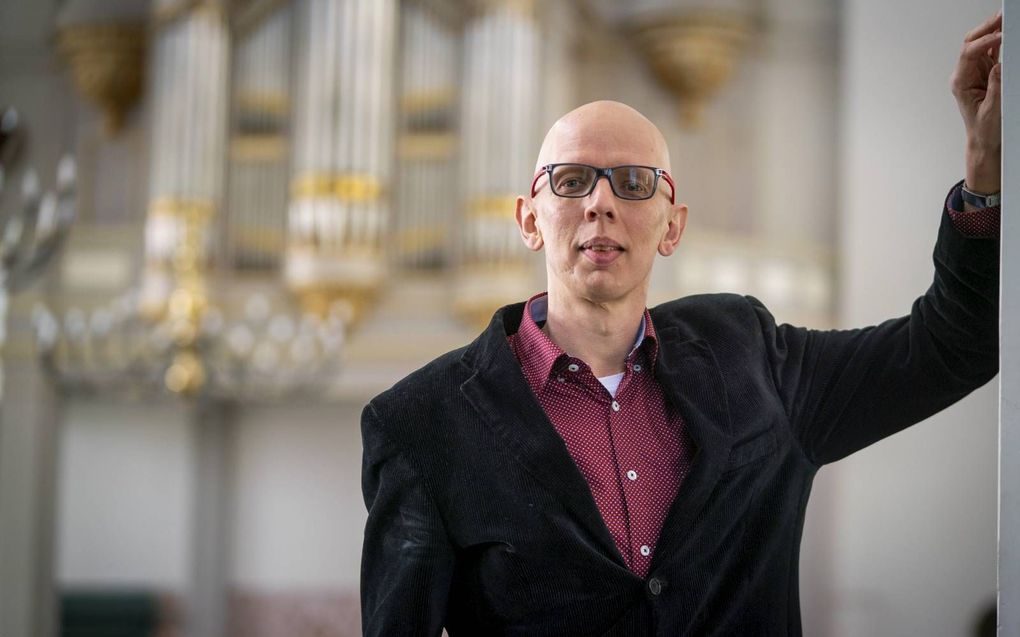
point(214, 433)
point(427, 167)
point(343, 150)
point(1009, 380)
point(188, 71)
point(500, 139)
point(30, 420)
point(258, 170)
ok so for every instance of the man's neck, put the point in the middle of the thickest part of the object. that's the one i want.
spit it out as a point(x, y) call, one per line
point(600, 334)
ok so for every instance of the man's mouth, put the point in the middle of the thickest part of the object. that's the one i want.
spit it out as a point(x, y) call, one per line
point(601, 245)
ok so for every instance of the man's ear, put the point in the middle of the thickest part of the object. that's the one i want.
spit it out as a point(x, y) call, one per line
point(527, 223)
point(675, 225)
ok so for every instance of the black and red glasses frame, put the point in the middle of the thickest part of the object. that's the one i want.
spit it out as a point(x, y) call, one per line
point(607, 173)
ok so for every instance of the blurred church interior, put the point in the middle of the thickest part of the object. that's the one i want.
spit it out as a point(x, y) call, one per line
point(229, 223)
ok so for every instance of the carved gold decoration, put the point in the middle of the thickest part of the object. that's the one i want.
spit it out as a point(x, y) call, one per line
point(107, 64)
point(321, 281)
point(427, 100)
point(259, 238)
point(428, 146)
point(271, 103)
point(185, 208)
point(350, 301)
point(258, 148)
point(345, 187)
point(694, 54)
point(188, 304)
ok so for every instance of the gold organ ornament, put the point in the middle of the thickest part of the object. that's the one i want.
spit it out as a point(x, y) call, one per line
point(107, 63)
point(695, 54)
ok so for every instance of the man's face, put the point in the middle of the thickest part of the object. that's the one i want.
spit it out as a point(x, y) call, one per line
point(601, 248)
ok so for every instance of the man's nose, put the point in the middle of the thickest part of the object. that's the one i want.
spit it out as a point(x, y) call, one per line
point(601, 201)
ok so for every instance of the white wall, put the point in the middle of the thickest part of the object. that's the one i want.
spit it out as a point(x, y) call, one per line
point(913, 518)
point(298, 514)
point(125, 496)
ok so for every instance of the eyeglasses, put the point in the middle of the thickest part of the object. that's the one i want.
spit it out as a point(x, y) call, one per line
point(628, 182)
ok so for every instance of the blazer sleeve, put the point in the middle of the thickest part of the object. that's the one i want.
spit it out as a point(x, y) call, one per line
point(845, 389)
point(407, 563)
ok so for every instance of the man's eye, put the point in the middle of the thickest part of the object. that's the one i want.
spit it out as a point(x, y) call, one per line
point(570, 184)
point(635, 187)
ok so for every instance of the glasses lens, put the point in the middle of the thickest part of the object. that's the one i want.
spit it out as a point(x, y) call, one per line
point(633, 182)
point(571, 180)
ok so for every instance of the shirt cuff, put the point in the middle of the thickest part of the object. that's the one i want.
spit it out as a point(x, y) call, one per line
point(976, 224)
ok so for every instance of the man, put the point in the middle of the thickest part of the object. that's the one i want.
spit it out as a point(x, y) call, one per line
point(588, 467)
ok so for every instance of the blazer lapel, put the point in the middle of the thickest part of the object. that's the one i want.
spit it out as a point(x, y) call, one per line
point(500, 394)
point(691, 379)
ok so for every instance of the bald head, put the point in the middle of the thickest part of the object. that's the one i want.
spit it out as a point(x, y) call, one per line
point(604, 133)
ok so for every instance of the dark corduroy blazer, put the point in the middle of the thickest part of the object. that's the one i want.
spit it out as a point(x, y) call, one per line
point(480, 521)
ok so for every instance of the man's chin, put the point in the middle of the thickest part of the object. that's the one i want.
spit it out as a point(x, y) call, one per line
point(601, 287)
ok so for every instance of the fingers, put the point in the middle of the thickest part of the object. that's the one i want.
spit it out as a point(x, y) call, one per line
point(994, 86)
point(982, 46)
point(993, 51)
point(993, 23)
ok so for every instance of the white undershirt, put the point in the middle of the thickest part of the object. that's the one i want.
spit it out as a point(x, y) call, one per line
point(539, 312)
point(611, 383)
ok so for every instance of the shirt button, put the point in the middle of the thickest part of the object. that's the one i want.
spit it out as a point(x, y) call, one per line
point(616, 406)
point(573, 367)
point(632, 474)
point(645, 550)
point(654, 586)
point(637, 367)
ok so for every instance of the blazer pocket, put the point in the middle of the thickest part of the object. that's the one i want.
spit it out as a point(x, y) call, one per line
point(755, 448)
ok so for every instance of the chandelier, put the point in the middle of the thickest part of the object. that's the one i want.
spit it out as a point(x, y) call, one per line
point(33, 233)
point(255, 355)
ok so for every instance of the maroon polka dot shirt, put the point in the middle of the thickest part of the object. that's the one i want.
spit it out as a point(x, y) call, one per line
point(632, 447)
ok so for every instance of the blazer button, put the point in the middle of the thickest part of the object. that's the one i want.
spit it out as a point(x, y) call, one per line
point(655, 586)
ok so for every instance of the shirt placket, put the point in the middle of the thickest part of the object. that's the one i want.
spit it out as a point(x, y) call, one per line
point(633, 473)
point(625, 471)
point(610, 469)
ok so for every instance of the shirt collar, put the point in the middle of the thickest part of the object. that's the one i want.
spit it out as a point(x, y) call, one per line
point(538, 354)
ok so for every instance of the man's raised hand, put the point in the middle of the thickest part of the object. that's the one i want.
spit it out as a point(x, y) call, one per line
point(977, 85)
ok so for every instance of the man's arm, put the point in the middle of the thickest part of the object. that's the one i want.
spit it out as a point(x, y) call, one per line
point(844, 390)
point(976, 84)
point(407, 563)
